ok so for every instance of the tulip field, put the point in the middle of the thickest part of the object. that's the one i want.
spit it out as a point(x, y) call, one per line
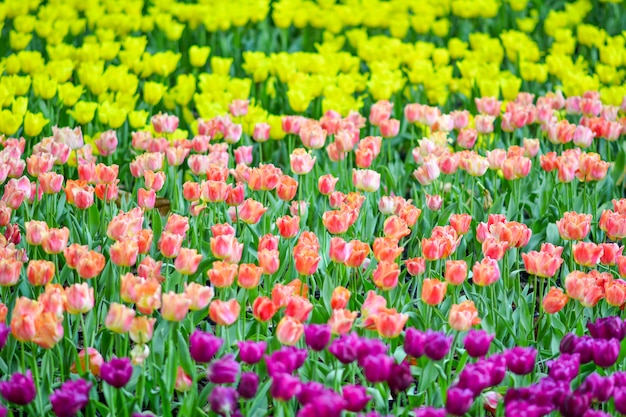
point(312, 208)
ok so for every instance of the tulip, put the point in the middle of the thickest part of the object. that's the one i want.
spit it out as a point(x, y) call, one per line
point(477, 343)
point(72, 397)
point(117, 372)
point(520, 360)
point(400, 377)
point(317, 336)
point(284, 386)
point(414, 342)
point(251, 352)
point(19, 389)
point(223, 400)
point(606, 352)
point(355, 397)
point(459, 401)
point(248, 385)
point(376, 368)
point(223, 370)
point(203, 346)
point(437, 345)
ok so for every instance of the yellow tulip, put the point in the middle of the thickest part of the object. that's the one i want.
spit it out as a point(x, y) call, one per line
point(69, 94)
point(137, 118)
point(220, 65)
point(153, 92)
point(198, 55)
point(34, 123)
point(9, 122)
point(19, 106)
point(84, 112)
point(18, 40)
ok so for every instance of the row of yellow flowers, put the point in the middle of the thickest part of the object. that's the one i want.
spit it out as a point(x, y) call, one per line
point(111, 73)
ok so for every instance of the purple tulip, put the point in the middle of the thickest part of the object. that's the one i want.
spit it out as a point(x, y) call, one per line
point(285, 387)
point(575, 405)
point(72, 397)
point(477, 343)
point(459, 401)
point(619, 396)
point(310, 392)
point(498, 368)
point(4, 334)
point(329, 404)
point(414, 342)
point(203, 346)
point(567, 343)
point(429, 412)
point(584, 347)
point(550, 393)
point(317, 336)
point(601, 388)
point(606, 352)
point(117, 372)
point(248, 385)
point(524, 409)
point(223, 370)
point(355, 397)
point(145, 414)
point(620, 379)
point(565, 368)
point(475, 377)
point(520, 360)
point(376, 368)
point(251, 352)
point(437, 345)
point(367, 347)
point(345, 348)
point(400, 378)
point(286, 360)
point(223, 400)
point(607, 328)
point(19, 389)
point(3, 411)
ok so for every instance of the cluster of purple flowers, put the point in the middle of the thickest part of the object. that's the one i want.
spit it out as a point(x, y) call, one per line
point(554, 392)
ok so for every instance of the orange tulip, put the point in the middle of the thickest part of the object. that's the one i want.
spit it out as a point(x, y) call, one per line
point(141, 329)
point(358, 252)
point(456, 272)
point(386, 249)
point(119, 318)
point(587, 253)
point(174, 307)
point(222, 274)
point(35, 232)
point(170, 244)
point(187, 261)
point(298, 308)
point(433, 291)
point(288, 226)
point(251, 211)
point(249, 275)
point(486, 272)
point(40, 272)
point(124, 252)
point(341, 321)
point(395, 228)
point(389, 323)
point(269, 263)
point(286, 188)
point(281, 295)
point(306, 260)
point(461, 222)
point(372, 304)
point(463, 316)
point(574, 226)
point(340, 298)
point(23, 319)
point(263, 309)
point(615, 292)
point(289, 331)
point(199, 295)
point(80, 298)
point(554, 301)
point(386, 275)
point(49, 330)
point(224, 313)
point(95, 361)
point(337, 221)
point(55, 240)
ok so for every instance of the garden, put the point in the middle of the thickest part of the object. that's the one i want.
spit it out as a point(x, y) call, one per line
point(312, 208)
